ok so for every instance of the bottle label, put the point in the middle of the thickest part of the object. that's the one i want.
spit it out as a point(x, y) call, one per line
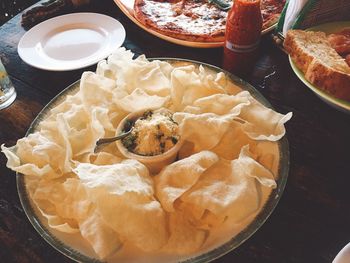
point(241, 48)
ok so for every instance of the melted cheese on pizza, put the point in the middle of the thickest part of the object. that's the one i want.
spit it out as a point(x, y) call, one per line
point(189, 17)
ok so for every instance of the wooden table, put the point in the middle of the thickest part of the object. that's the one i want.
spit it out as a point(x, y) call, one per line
point(311, 222)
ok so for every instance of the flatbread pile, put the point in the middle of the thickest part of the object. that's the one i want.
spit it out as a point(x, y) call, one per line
point(112, 201)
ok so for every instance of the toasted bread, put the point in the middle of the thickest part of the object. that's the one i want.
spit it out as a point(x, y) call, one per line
point(320, 63)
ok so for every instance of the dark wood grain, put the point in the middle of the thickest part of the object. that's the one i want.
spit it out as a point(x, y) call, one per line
point(310, 224)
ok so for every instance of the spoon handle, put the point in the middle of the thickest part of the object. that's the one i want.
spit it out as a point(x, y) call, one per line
point(110, 139)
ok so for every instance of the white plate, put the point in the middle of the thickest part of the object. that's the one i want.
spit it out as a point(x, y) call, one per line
point(71, 41)
point(343, 256)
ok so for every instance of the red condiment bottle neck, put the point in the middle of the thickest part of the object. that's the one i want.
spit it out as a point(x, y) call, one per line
point(246, 20)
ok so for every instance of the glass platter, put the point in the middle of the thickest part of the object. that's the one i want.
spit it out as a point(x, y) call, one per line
point(127, 8)
point(338, 104)
point(77, 251)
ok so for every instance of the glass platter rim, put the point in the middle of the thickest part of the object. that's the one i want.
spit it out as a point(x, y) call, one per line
point(233, 243)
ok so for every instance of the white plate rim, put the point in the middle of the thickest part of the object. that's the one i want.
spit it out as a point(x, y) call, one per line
point(89, 18)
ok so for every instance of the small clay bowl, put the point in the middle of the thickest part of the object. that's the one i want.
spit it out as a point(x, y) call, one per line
point(154, 163)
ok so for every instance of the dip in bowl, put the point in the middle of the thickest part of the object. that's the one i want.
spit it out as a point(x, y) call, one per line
point(154, 139)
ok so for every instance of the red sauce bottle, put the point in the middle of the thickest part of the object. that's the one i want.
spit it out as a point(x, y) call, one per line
point(242, 36)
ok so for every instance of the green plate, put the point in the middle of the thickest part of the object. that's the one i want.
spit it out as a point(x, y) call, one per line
point(339, 104)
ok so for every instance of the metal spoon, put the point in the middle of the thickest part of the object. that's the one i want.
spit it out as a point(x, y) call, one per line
point(222, 4)
point(103, 141)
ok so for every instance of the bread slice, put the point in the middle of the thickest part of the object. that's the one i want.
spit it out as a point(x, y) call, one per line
point(320, 63)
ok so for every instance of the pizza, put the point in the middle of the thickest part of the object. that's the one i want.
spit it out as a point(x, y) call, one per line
point(271, 11)
point(195, 20)
point(190, 20)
